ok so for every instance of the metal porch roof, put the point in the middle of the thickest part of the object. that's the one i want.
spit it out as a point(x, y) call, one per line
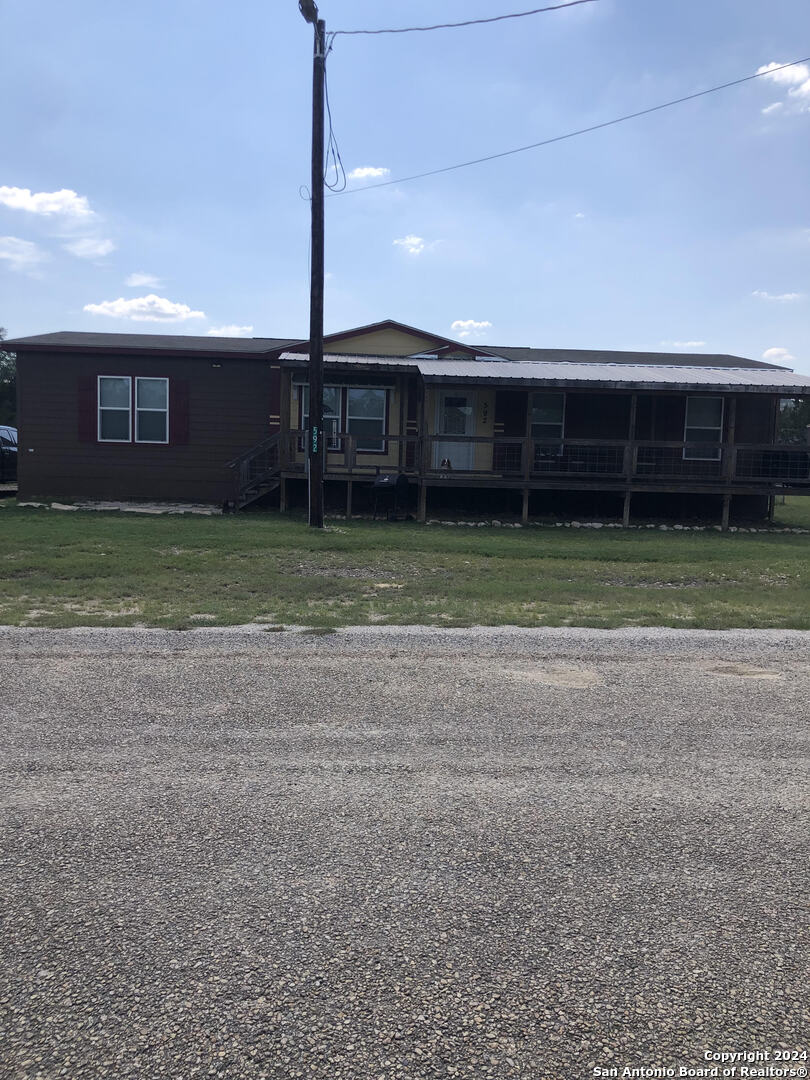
point(599, 376)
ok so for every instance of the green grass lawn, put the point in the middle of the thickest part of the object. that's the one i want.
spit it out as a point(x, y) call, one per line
point(112, 569)
point(795, 511)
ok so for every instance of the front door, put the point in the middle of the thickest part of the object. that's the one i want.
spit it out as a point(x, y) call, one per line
point(455, 416)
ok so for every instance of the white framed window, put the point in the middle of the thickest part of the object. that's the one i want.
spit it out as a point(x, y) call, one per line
point(365, 417)
point(703, 425)
point(151, 410)
point(331, 414)
point(548, 421)
point(548, 416)
point(114, 408)
point(361, 411)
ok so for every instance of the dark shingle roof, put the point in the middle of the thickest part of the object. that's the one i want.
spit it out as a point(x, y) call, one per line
point(158, 342)
point(209, 345)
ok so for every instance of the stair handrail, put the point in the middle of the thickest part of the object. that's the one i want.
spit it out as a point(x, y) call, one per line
point(259, 448)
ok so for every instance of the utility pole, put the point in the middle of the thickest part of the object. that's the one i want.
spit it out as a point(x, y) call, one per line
point(315, 441)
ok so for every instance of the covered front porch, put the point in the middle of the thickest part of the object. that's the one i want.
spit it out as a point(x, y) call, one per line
point(643, 431)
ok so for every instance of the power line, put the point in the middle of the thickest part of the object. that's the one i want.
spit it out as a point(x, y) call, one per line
point(469, 22)
point(333, 161)
point(573, 134)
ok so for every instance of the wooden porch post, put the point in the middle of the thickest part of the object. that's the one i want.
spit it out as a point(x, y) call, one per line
point(348, 499)
point(524, 513)
point(729, 461)
point(285, 391)
point(423, 448)
point(731, 434)
point(629, 449)
point(421, 421)
point(403, 421)
point(630, 459)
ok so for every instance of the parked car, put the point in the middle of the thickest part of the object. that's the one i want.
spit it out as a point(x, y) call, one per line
point(8, 454)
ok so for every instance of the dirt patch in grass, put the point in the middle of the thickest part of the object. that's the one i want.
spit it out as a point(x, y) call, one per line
point(351, 572)
point(629, 583)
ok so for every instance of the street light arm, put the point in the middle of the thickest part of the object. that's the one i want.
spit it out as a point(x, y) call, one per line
point(309, 9)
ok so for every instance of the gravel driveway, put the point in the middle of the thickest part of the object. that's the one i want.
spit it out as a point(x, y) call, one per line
point(401, 853)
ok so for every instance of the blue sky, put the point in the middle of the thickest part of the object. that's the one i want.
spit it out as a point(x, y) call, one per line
point(152, 157)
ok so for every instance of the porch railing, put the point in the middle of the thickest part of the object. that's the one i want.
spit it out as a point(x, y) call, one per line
point(256, 470)
point(531, 459)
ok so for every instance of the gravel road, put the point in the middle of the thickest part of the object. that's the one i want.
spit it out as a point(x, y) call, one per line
point(390, 853)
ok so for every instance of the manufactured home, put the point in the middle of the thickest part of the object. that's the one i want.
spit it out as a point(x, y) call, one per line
point(224, 420)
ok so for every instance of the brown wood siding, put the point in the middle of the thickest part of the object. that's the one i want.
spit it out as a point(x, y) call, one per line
point(597, 416)
point(228, 408)
point(660, 416)
point(754, 418)
point(510, 412)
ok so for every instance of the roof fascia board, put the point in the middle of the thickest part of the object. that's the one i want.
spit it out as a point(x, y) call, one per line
point(348, 369)
point(141, 350)
point(587, 384)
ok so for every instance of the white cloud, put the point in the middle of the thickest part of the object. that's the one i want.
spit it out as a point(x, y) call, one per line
point(149, 308)
point(78, 225)
point(414, 245)
point(777, 355)
point(367, 172)
point(65, 201)
point(797, 80)
point(795, 75)
point(139, 280)
point(683, 344)
point(469, 327)
point(579, 216)
point(772, 108)
point(230, 331)
point(90, 247)
point(20, 254)
point(782, 298)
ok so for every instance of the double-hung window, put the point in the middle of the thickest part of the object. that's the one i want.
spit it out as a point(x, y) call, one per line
point(120, 397)
point(703, 426)
point(548, 421)
point(365, 417)
point(152, 410)
point(114, 408)
point(331, 414)
point(353, 410)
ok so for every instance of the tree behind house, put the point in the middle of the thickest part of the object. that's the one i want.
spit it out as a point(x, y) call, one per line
point(8, 384)
point(794, 419)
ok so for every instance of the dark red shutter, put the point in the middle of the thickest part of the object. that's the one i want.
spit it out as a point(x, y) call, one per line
point(178, 411)
point(275, 398)
point(88, 418)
